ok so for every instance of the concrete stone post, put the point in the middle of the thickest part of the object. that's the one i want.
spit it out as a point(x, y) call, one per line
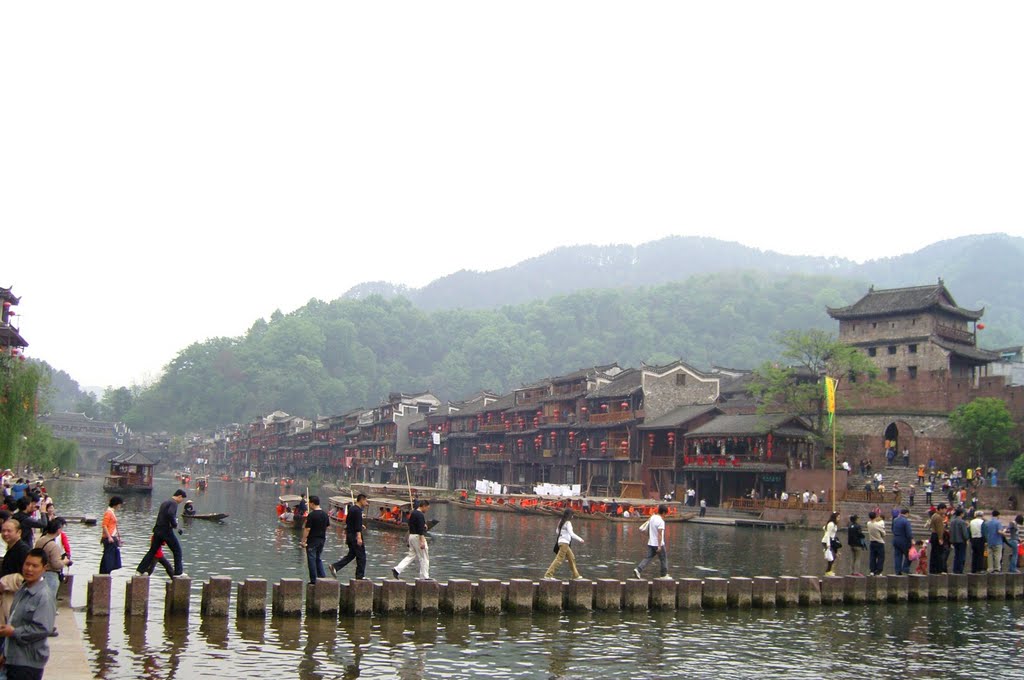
point(520, 595)
point(898, 588)
point(549, 595)
point(957, 586)
point(855, 589)
point(608, 594)
point(136, 596)
point(458, 597)
point(997, 586)
point(716, 593)
point(65, 589)
point(977, 586)
point(636, 595)
point(323, 598)
point(393, 597)
point(810, 591)
point(98, 595)
point(787, 591)
point(690, 593)
point(178, 596)
point(938, 587)
point(286, 597)
point(425, 598)
point(359, 597)
point(832, 590)
point(579, 595)
point(739, 592)
point(487, 596)
point(252, 598)
point(917, 588)
point(1014, 586)
point(877, 589)
point(663, 593)
point(764, 592)
point(216, 597)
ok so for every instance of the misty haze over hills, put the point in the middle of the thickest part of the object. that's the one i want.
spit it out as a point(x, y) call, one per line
point(981, 271)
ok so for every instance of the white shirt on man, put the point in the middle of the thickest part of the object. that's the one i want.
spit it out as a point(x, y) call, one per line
point(656, 531)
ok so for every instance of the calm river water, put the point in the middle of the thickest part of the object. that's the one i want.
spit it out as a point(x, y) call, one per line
point(905, 640)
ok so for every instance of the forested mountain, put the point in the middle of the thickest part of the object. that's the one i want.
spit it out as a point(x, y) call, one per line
point(62, 393)
point(328, 357)
point(979, 270)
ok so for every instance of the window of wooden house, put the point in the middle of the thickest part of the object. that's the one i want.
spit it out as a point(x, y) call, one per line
point(874, 325)
point(680, 378)
point(892, 349)
point(912, 349)
point(891, 374)
point(872, 351)
point(912, 372)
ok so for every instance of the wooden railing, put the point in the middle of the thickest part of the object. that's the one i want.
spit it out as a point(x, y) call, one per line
point(615, 417)
point(954, 334)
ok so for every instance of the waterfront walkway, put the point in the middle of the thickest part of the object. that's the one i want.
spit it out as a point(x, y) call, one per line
point(68, 660)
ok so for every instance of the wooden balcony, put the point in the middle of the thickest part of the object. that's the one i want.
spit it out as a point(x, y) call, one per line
point(615, 416)
point(954, 334)
point(493, 457)
point(500, 427)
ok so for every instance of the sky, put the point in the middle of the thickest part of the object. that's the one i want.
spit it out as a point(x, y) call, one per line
point(171, 172)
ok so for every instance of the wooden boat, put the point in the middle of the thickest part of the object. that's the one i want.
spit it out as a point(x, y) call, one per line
point(212, 516)
point(483, 506)
point(286, 483)
point(202, 482)
point(290, 500)
point(371, 516)
point(131, 473)
point(225, 478)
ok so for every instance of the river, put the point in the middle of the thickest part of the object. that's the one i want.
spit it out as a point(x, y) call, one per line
point(911, 640)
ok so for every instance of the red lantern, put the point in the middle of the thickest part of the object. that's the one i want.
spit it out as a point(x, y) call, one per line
point(501, 448)
point(445, 450)
point(624, 405)
point(583, 409)
point(583, 447)
point(604, 445)
point(671, 437)
point(604, 407)
point(981, 326)
point(488, 447)
point(650, 439)
point(553, 435)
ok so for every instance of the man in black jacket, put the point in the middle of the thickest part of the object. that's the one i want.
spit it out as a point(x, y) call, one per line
point(26, 508)
point(314, 535)
point(17, 549)
point(354, 538)
point(163, 531)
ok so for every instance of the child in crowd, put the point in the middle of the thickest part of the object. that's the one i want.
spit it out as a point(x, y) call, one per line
point(919, 554)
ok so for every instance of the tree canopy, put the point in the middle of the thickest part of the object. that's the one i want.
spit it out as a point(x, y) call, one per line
point(795, 383)
point(983, 430)
point(329, 357)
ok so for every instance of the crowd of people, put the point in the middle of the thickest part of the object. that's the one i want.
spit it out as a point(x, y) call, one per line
point(947, 536)
point(30, 576)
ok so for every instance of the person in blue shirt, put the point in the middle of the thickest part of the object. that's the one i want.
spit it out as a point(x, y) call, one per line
point(902, 539)
point(993, 531)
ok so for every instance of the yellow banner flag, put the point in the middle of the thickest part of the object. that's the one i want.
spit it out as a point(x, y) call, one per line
point(830, 397)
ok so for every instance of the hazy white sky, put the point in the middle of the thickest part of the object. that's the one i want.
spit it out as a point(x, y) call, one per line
point(170, 172)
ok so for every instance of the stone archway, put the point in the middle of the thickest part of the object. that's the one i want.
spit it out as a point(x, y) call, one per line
point(900, 432)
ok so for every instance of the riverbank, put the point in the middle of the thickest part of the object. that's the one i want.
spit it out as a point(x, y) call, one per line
point(68, 658)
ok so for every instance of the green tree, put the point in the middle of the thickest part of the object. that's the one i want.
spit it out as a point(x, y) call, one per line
point(1016, 472)
point(116, 403)
point(983, 430)
point(19, 386)
point(797, 387)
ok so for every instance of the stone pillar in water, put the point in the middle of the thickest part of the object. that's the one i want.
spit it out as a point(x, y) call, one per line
point(98, 595)
point(136, 596)
point(252, 598)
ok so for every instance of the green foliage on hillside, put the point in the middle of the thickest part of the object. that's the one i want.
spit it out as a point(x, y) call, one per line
point(329, 357)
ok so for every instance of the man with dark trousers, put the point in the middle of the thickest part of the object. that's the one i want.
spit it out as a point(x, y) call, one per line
point(354, 539)
point(314, 535)
point(166, 523)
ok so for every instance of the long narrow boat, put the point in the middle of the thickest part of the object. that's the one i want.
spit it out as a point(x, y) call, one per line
point(212, 516)
point(372, 515)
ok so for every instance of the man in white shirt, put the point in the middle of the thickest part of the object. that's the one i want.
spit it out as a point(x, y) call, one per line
point(655, 543)
point(977, 543)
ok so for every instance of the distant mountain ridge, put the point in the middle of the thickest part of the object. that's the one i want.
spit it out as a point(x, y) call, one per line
point(980, 270)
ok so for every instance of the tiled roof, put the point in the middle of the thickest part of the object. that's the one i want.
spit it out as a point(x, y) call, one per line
point(749, 425)
point(678, 416)
point(626, 384)
point(966, 351)
point(904, 301)
point(136, 458)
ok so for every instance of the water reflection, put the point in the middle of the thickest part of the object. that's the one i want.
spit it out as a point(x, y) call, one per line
point(905, 639)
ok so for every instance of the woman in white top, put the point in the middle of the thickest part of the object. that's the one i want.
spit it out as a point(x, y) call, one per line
point(829, 542)
point(564, 552)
